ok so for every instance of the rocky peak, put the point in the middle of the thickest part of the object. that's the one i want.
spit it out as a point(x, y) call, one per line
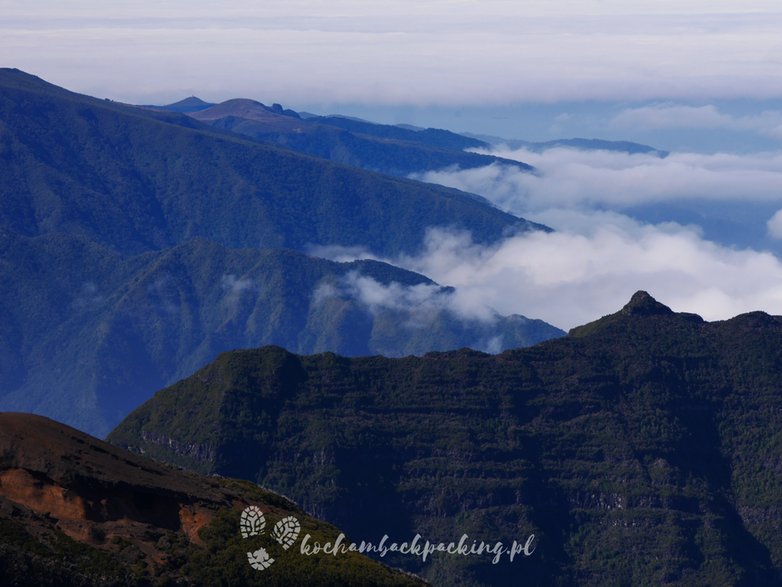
point(642, 304)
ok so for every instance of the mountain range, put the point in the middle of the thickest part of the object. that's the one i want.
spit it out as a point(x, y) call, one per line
point(394, 150)
point(643, 448)
point(137, 244)
point(136, 179)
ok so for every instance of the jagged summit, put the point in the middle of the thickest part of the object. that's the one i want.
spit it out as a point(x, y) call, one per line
point(643, 304)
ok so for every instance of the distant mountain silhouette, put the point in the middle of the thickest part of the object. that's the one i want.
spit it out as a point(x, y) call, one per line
point(187, 105)
point(136, 179)
point(395, 150)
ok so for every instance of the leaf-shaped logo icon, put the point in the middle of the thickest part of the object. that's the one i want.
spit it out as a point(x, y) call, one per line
point(260, 559)
point(286, 531)
point(251, 522)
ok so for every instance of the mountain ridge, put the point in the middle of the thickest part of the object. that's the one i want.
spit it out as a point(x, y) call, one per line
point(116, 219)
point(629, 448)
point(392, 150)
point(102, 126)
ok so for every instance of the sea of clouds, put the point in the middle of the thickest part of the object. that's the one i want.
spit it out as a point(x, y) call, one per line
point(598, 254)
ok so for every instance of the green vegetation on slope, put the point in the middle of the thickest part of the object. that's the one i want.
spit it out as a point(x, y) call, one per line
point(75, 511)
point(643, 449)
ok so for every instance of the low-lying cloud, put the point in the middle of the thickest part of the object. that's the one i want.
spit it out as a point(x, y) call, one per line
point(570, 178)
point(234, 288)
point(774, 225)
point(413, 307)
point(422, 302)
point(569, 279)
point(598, 256)
point(88, 297)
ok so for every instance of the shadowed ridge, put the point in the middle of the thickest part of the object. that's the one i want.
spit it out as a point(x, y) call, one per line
point(646, 431)
point(169, 183)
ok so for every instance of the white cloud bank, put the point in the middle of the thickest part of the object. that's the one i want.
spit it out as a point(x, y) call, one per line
point(598, 257)
point(402, 51)
point(423, 302)
point(569, 178)
point(774, 225)
point(569, 279)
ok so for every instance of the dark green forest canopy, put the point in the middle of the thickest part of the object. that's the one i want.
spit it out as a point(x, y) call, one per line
point(644, 445)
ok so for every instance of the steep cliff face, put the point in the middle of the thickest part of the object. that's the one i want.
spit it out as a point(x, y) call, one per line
point(643, 446)
point(77, 511)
